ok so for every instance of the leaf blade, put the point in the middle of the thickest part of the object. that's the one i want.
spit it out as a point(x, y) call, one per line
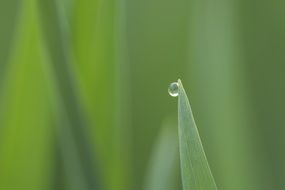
point(163, 164)
point(71, 123)
point(196, 173)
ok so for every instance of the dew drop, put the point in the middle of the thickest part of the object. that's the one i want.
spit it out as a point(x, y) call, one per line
point(173, 89)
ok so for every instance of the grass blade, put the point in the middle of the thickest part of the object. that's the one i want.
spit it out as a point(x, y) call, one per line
point(94, 36)
point(163, 165)
point(220, 77)
point(101, 62)
point(25, 137)
point(196, 173)
point(8, 9)
point(72, 124)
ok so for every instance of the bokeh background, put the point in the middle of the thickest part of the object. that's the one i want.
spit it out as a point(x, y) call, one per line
point(84, 102)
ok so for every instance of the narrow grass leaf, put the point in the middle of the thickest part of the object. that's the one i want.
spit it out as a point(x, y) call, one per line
point(164, 158)
point(99, 49)
point(8, 19)
point(92, 35)
point(196, 173)
point(72, 125)
point(25, 137)
point(220, 75)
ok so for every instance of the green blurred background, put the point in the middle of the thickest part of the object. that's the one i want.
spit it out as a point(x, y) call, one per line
point(84, 102)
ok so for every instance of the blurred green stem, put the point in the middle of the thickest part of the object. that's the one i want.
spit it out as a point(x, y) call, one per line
point(72, 134)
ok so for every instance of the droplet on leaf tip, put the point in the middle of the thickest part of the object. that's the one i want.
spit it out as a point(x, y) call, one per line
point(173, 89)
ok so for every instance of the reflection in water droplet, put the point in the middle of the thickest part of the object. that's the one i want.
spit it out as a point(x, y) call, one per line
point(173, 89)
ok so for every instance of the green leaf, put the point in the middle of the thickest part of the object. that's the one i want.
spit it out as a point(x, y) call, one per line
point(196, 173)
point(72, 125)
point(9, 11)
point(26, 138)
point(163, 164)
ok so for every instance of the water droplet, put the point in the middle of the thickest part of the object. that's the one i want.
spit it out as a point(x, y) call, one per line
point(173, 89)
